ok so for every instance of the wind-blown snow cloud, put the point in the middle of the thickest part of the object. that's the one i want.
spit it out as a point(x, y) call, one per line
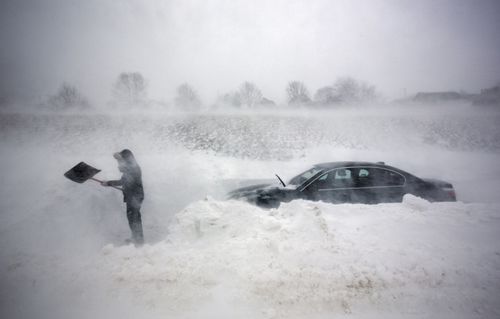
point(397, 45)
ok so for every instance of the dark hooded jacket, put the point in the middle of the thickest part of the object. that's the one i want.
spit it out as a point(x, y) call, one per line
point(131, 180)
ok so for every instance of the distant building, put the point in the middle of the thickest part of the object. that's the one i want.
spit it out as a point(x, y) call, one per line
point(489, 96)
point(435, 97)
point(267, 102)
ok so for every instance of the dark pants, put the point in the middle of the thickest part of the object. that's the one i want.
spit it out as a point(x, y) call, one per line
point(135, 221)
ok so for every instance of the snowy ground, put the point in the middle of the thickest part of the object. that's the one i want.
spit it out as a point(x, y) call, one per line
point(61, 243)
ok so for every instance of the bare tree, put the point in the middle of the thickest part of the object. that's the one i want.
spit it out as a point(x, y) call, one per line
point(187, 98)
point(297, 93)
point(349, 90)
point(368, 93)
point(68, 97)
point(249, 94)
point(326, 96)
point(229, 99)
point(130, 88)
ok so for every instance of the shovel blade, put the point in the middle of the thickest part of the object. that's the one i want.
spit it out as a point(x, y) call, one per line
point(81, 172)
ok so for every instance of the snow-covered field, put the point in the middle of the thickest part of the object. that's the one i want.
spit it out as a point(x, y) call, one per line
point(61, 243)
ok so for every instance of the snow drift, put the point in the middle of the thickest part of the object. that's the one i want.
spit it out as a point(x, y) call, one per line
point(61, 243)
point(231, 259)
point(311, 259)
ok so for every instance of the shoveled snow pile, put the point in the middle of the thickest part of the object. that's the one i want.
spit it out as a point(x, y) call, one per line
point(307, 259)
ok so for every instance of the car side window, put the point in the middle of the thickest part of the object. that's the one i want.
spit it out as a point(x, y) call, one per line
point(338, 178)
point(386, 177)
point(364, 177)
point(342, 178)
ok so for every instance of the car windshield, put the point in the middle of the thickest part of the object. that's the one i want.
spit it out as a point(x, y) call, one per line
point(301, 178)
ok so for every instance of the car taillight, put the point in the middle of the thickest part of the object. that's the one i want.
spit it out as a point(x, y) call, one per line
point(451, 193)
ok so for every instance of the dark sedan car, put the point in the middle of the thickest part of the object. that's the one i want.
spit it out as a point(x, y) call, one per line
point(348, 182)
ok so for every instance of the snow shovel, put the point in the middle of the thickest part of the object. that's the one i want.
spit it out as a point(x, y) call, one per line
point(82, 172)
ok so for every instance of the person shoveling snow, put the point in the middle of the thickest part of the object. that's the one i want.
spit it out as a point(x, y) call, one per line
point(131, 186)
point(133, 192)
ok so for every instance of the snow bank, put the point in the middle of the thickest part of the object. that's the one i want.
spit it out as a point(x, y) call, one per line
point(310, 259)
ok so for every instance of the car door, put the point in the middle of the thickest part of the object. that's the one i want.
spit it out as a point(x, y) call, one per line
point(389, 184)
point(363, 191)
point(377, 185)
point(333, 186)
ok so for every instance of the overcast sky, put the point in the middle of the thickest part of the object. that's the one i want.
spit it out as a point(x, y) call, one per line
point(215, 45)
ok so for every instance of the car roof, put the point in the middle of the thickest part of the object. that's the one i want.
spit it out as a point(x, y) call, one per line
point(349, 163)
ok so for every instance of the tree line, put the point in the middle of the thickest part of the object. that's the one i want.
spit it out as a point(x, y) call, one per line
point(130, 90)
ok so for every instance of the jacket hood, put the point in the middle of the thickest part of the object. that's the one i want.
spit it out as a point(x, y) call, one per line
point(125, 156)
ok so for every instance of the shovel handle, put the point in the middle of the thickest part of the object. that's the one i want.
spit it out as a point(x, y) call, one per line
point(99, 181)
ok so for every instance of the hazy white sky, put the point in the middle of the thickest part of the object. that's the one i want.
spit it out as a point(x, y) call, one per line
point(215, 45)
